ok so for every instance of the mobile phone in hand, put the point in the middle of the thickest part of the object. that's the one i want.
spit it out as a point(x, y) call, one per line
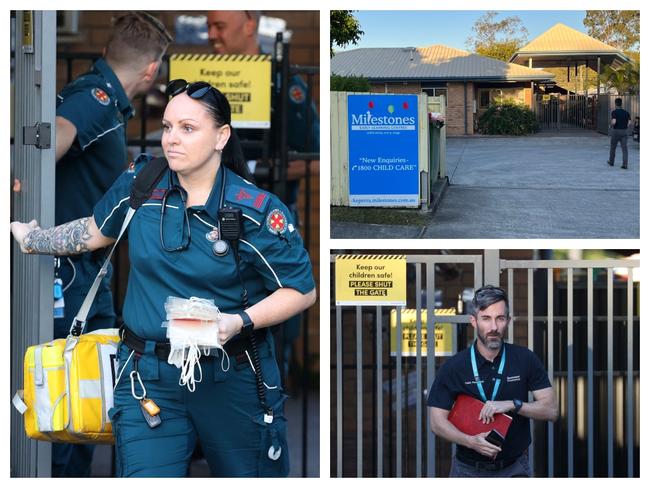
point(495, 438)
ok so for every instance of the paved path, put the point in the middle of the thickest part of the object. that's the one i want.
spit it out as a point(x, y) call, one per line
point(530, 187)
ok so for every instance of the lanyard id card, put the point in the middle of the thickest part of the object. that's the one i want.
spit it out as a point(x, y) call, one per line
point(477, 378)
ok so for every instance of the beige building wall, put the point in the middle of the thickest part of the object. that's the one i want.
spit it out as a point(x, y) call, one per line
point(400, 87)
point(455, 117)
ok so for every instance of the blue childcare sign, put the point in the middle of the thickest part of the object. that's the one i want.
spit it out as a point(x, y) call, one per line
point(383, 150)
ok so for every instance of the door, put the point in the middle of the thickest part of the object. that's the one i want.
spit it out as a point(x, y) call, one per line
point(32, 173)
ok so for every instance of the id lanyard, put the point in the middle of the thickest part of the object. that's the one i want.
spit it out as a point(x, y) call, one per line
point(477, 378)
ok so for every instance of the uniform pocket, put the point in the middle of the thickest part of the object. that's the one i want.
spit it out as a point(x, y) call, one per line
point(221, 364)
point(114, 414)
point(274, 450)
point(148, 363)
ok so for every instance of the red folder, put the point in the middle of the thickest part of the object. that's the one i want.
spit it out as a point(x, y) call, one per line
point(464, 416)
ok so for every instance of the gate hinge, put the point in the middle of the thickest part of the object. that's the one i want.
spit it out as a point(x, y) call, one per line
point(40, 135)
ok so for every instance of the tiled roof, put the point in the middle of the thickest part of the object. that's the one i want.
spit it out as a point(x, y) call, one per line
point(435, 62)
point(561, 38)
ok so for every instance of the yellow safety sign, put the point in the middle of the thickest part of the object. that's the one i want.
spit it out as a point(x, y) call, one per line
point(28, 31)
point(245, 80)
point(444, 333)
point(370, 280)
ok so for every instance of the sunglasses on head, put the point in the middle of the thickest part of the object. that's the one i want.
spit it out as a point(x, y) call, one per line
point(194, 90)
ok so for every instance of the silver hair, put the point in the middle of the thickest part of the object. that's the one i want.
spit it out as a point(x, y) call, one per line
point(489, 295)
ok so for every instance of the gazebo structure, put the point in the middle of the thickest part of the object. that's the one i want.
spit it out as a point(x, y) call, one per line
point(560, 47)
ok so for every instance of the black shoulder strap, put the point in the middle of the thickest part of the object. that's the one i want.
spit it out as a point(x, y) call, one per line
point(146, 180)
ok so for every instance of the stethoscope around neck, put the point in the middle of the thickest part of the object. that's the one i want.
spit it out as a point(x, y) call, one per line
point(220, 247)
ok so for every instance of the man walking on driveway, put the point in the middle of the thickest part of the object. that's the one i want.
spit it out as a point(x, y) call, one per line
point(620, 123)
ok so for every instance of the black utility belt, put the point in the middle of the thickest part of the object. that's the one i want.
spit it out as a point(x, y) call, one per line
point(495, 465)
point(234, 347)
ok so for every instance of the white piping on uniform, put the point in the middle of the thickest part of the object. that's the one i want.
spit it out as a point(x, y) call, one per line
point(265, 261)
point(113, 211)
point(159, 205)
point(206, 223)
point(251, 218)
point(102, 135)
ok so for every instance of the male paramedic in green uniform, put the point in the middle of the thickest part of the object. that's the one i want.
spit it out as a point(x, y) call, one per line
point(236, 32)
point(91, 117)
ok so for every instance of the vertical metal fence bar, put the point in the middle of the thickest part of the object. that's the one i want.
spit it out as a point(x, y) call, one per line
point(418, 370)
point(630, 374)
point(610, 372)
point(551, 372)
point(339, 392)
point(478, 279)
point(590, 373)
point(570, 382)
point(398, 395)
point(511, 287)
point(380, 403)
point(359, 395)
point(531, 450)
point(431, 363)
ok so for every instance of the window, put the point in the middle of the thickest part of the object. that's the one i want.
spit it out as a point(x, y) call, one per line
point(436, 92)
point(484, 98)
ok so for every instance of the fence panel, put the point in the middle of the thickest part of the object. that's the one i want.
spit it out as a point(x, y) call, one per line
point(618, 443)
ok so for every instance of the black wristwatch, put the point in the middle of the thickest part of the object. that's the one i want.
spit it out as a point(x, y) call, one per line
point(247, 328)
point(518, 404)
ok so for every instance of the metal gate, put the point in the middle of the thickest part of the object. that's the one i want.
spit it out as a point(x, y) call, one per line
point(606, 106)
point(557, 112)
point(577, 315)
point(390, 425)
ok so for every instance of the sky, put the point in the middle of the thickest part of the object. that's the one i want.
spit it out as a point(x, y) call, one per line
point(451, 28)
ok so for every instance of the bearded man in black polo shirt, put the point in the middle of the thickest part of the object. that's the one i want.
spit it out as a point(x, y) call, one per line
point(475, 372)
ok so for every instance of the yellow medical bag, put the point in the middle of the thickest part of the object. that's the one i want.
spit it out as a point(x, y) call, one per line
point(69, 388)
point(68, 383)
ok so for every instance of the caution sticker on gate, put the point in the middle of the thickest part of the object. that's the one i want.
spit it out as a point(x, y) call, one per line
point(370, 280)
point(443, 332)
point(244, 79)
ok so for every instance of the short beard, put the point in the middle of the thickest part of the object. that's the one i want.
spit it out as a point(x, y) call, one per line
point(491, 343)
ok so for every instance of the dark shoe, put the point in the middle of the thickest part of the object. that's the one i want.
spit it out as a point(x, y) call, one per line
point(611, 164)
point(624, 167)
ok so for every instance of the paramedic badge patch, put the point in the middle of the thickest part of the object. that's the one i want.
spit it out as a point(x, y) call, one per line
point(276, 222)
point(297, 94)
point(101, 96)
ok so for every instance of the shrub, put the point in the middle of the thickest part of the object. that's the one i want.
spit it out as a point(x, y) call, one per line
point(349, 83)
point(508, 117)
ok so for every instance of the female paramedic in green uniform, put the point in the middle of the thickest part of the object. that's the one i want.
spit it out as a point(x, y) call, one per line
point(181, 244)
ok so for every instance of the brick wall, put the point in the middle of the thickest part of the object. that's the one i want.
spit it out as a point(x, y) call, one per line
point(95, 30)
point(455, 117)
point(408, 87)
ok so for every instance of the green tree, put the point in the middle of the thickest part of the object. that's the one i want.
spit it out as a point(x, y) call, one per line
point(344, 29)
point(626, 79)
point(618, 28)
point(497, 39)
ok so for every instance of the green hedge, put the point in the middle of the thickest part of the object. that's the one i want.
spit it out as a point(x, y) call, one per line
point(508, 117)
point(349, 84)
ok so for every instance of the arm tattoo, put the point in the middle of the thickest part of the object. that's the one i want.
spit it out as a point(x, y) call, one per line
point(65, 239)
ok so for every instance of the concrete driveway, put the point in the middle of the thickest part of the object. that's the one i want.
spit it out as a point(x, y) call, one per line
point(543, 186)
point(548, 185)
